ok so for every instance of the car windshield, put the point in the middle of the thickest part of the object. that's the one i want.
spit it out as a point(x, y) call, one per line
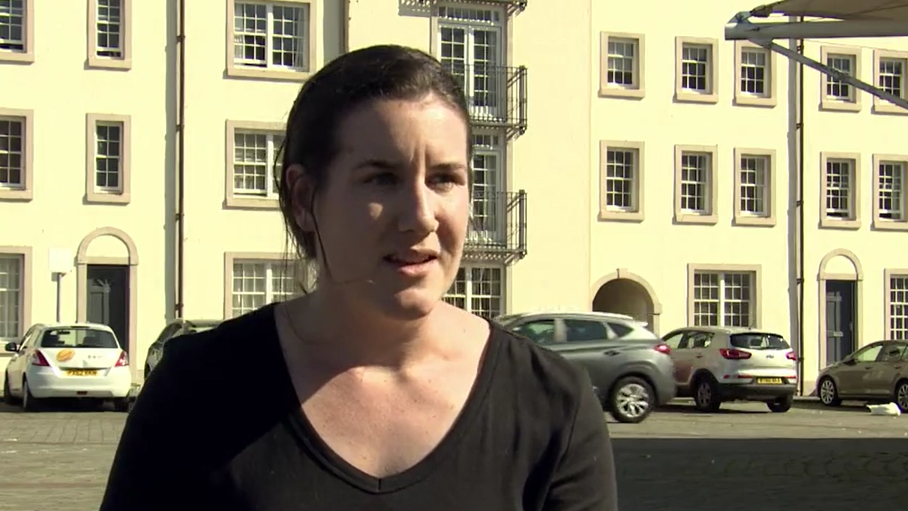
point(78, 338)
point(758, 341)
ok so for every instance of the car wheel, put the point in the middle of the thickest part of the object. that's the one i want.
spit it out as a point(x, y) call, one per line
point(631, 400)
point(901, 395)
point(781, 405)
point(706, 395)
point(121, 404)
point(829, 393)
point(8, 397)
point(29, 402)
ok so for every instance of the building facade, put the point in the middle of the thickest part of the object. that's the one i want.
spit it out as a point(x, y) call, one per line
point(619, 165)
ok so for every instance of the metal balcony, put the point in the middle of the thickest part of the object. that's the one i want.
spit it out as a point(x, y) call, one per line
point(496, 95)
point(512, 6)
point(498, 228)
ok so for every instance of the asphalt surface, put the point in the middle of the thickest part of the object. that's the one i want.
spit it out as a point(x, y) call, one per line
point(742, 458)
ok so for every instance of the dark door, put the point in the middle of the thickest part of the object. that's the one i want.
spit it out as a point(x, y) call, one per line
point(840, 327)
point(108, 298)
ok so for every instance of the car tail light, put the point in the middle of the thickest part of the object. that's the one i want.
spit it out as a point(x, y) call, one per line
point(37, 359)
point(791, 355)
point(123, 361)
point(663, 348)
point(734, 354)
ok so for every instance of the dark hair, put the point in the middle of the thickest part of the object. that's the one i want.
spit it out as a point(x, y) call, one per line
point(375, 72)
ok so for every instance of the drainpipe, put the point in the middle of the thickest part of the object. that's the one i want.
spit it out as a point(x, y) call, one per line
point(179, 216)
point(800, 213)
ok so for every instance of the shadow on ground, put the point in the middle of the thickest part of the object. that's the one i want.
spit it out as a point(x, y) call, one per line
point(761, 474)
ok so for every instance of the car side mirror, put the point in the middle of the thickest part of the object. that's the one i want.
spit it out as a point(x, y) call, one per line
point(849, 361)
point(12, 347)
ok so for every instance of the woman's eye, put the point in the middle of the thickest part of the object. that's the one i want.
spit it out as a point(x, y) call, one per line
point(444, 180)
point(384, 179)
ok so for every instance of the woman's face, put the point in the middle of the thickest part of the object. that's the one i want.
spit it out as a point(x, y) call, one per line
point(394, 207)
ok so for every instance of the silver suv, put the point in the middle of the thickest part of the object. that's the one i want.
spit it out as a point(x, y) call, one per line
point(715, 364)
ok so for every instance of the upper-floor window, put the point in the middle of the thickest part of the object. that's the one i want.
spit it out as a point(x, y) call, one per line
point(891, 74)
point(110, 28)
point(622, 65)
point(836, 93)
point(253, 154)
point(15, 154)
point(754, 176)
point(695, 184)
point(696, 70)
point(840, 190)
point(755, 75)
point(890, 192)
point(108, 172)
point(621, 181)
point(16, 31)
point(271, 39)
point(109, 33)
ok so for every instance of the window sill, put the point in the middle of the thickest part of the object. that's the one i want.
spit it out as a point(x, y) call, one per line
point(621, 92)
point(18, 195)
point(254, 73)
point(241, 202)
point(695, 219)
point(835, 223)
point(695, 97)
point(17, 57)
point(832, 105)
point(122, 64)
point(107, 198)
point(754, 221)
point(608, 215)
point(882, 224)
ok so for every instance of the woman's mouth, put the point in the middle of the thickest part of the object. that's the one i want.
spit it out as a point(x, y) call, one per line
point(412, 265)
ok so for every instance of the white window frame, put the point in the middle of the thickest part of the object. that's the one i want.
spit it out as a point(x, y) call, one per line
point(271, 264)
point(852, 219)
point(896, 303)
point(236, 198)
point(711, 70)
point(21, 153)
point(725, 274)
point(496, 203)
point(240, 67)
point(767, 98)
point(466, 17)
point(897, 189)
point(467, 296)
point(766, 217)
point(119, 157)
point(607, 211)
point(609, 88)
point(120, 56)
point(852, 101)
point(881, 58)
point(120, 194)
point(22, 297)
point(25, 54)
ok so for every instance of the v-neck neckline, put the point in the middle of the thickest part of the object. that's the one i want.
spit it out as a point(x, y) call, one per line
point(324, 454)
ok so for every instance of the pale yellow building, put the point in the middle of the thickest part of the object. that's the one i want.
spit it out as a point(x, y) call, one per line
point(622, 163)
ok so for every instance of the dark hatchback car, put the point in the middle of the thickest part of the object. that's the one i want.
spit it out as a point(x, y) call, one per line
point(174, 329)
point(877, 372)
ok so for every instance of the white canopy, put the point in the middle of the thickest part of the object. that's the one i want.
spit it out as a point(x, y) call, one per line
point(840, 19)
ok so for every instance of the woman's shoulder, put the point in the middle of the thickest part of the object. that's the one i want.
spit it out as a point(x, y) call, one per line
point(542, 372)
point(248, 333)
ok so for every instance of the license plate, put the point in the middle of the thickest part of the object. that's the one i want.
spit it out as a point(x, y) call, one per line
point(81, 372)
point(769, 381)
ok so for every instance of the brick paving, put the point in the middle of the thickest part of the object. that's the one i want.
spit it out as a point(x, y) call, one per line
point(743, 459)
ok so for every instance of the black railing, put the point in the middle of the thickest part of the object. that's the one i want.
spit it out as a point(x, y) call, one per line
point(496, 95)
point(498, 227)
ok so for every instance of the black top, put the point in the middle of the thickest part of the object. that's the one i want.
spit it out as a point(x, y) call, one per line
point(218, 426)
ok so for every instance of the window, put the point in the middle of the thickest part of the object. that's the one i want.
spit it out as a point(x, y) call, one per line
point(255, 280)
point(696, 186)
point(835, 93)
point(478, 289)
point(17, 28)
point(891, 73)
point(755, 68)
point(696, 72)
point(274, 40)
point(890, 191)
point(16, 155)
point(896, 304)
point(868, 354)
point(107, 169)
point(471, 45)
point(754, 187)
point(840, 191)
point(15, 279)
point(252, 154)
point(540, 331)
point(621, 180)
point(580, 330)
point(621, 66)
point(109, 34)
point(723, 296)
point(488, 213)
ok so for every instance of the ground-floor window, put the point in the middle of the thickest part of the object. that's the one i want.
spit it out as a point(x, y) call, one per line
point(479, 289)
point(10, 297)
point(257, 283)
point(723, 298)
point(898, 307)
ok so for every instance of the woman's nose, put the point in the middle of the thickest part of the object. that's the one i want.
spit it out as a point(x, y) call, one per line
point(417, 210)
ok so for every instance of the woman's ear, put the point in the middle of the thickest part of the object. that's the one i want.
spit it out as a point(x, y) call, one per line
point(301, 187)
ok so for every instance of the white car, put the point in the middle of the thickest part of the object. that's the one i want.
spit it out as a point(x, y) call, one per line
point(82, 360)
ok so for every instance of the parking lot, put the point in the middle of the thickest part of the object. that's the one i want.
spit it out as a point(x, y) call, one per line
point(742, 458)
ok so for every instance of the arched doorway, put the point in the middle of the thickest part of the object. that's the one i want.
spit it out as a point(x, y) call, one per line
point(624, 292)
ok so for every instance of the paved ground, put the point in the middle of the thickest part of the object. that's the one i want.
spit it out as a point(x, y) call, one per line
point(743, 459)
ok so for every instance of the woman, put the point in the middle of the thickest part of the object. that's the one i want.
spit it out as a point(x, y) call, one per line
point(370, 392)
